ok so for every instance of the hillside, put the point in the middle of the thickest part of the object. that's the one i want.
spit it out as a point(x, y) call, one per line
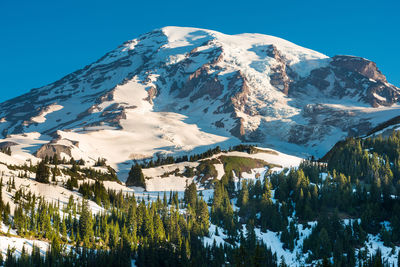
point(250, 203)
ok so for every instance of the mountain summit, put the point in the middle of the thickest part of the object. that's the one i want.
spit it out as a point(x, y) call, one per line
point(177, 89)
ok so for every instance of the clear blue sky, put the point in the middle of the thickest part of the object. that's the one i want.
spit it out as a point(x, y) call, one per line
point(41, 41)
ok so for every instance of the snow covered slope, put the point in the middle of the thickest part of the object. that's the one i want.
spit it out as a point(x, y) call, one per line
point(176, 90)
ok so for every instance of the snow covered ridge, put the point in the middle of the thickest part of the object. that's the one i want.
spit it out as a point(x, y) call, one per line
point(180, 90)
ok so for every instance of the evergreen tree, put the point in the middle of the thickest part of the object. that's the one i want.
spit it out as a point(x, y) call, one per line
point(42, 173)
point(136, 177)
point(85, 221)
point(202, 216)
point(190, 195)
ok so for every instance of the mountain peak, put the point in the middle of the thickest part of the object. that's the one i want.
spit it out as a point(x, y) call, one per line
point(178, 89)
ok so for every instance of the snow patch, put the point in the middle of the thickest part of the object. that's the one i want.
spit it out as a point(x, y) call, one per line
point(42, 116)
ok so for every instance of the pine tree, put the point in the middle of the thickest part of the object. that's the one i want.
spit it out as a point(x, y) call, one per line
point(10, 259)
point(13, 183)
point(6, 213)
point(325, 243)
point(115, 235)
point(55, 159)
point(148, 226)
point(63, 230)
point(159, 233)
point(85, 221)
point(136, 177)
point(42, 173)
point(165, 202)
point(243, 195)
point(267, 194)
point(54, 173)
point(202, 216)
point(190, 195)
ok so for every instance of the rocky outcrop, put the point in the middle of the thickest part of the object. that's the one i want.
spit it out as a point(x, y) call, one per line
point(238, 101)
point(239, 85)
point(200, 84)
point(358, 64)
point(51, 149)
point(151, 94)
point(279, 75)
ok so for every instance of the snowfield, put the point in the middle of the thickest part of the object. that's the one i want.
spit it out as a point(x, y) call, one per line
point(50, 109)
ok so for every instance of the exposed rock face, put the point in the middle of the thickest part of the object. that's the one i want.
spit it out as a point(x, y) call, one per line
point(361, 65)
point(152, 93)
point(50, 150)
point(280, 73)
point(351, 77)
point(254, 87)
point(200, 84)
point(239, 85)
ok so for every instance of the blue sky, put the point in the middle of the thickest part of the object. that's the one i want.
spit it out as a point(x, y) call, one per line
point(41, 41)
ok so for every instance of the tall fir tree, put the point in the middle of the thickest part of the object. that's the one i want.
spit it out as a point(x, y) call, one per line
point(136, 177)
point(190, 195)
point(42, 173)
point(85, 221)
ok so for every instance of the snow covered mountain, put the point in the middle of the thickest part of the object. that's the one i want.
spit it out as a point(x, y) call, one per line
point(175, 90)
